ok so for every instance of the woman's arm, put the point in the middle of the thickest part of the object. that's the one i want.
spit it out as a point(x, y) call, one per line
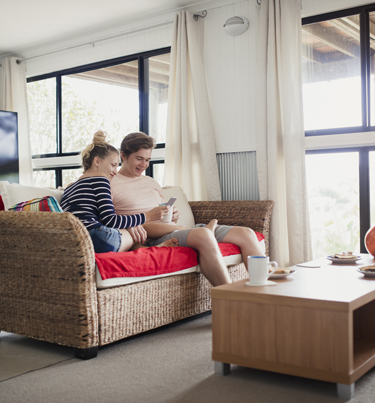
point(107, 214)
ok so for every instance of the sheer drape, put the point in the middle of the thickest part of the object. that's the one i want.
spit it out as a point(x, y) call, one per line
point(13, 97)
point(190, 157)
point(280, 132)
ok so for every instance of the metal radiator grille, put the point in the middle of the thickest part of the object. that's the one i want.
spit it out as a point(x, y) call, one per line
point(238, 176)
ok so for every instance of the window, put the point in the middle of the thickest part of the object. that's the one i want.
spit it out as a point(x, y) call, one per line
point(332, 74)
point(118, 96)
point(42, 112)
point(338, 72)
point(333, 183)
point(338, 94)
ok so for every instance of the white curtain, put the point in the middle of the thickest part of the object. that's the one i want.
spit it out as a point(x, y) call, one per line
point(190, 156)
point(13, 97)
point(280, 131)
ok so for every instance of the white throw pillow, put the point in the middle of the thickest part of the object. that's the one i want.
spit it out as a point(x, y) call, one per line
point(15, 193)
point(186, 215)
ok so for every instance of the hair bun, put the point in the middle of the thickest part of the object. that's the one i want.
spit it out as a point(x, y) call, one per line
point(99, 138)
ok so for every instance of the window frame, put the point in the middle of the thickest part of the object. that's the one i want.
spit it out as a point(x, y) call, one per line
point(364, 185)
point(143, 82)
point(364, 167)
point(363, 12)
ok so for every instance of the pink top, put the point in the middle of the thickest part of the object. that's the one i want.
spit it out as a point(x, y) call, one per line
point(135, 195)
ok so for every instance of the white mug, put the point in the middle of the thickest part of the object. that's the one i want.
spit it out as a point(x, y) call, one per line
point(168, 216)
point(258, 267)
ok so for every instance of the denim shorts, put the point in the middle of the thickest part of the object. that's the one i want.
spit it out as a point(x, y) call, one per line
point(105, 239)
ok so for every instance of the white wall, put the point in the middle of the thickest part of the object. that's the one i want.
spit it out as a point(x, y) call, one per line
point(229, 62)
point(230, 71)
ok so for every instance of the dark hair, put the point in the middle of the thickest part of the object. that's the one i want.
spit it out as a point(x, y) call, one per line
point(133, 142)
point(98, 148)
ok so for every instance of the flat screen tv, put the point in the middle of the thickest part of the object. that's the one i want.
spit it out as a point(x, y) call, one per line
point(9, 167)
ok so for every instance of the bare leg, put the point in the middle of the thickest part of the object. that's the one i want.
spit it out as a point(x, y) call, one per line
point(212, 226)
point(210, 258)
point(126, 241)
point(246, 240)
point(170, 243)
point(157, 230)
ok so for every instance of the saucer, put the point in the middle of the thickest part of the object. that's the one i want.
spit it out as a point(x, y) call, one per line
point(282, 275)
point(367, 273)
point(261, 285)
point(334, 259)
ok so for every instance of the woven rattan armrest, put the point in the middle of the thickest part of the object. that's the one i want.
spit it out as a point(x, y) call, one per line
point(255, 214)
point(47, 278)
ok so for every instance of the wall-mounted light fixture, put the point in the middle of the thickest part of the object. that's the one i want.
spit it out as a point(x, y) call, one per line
point(236, 25)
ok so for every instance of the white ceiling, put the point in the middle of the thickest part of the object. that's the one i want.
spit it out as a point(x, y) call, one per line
point(26, 24)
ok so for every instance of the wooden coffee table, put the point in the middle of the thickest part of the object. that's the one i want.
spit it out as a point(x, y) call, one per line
point(317, 323)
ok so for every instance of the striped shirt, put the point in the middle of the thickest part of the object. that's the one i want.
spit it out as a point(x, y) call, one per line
point(89, 199)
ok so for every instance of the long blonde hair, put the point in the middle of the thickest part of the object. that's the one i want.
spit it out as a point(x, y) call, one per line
point(98, 148)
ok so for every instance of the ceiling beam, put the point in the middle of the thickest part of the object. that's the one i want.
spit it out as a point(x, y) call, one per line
point(331, 39)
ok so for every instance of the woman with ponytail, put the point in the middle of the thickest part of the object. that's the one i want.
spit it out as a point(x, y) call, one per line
point(89, 199)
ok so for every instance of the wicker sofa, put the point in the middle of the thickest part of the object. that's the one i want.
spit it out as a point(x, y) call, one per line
point(48, 289)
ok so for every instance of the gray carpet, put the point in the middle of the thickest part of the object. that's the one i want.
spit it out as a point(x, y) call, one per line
point(172, 364)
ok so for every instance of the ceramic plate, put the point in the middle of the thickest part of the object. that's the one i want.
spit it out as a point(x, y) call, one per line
point(334, 259)
point(367, 273)
point(275, 276)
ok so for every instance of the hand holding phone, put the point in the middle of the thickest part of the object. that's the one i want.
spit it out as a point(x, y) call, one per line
point(171, 201)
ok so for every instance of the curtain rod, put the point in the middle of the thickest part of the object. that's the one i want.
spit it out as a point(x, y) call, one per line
point(108, 37)
point(93, 42)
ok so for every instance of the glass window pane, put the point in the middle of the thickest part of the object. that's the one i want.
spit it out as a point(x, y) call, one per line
point(333, 196)
point(44, 178)
point(372, 186)
point(158, 96)
point(104, 99)
point(158, 173)
point(42, 116)
point(70, 175)
point(331, 74)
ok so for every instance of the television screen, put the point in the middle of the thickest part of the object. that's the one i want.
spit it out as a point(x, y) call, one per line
point(9, 168)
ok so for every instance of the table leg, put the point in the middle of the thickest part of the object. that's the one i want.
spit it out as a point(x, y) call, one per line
point(221, 368)
point(345, 392)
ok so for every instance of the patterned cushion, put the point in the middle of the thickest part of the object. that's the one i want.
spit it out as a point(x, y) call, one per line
point(48, 203)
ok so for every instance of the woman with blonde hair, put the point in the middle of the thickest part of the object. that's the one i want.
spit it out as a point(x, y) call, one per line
point(89, 199)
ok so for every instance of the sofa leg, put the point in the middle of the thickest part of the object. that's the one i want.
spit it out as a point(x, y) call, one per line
point(86, 353)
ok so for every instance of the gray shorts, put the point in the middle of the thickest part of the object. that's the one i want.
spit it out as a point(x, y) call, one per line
point(181, 235)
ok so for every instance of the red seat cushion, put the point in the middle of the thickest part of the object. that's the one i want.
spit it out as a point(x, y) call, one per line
point(2, 208)
point(153, 261)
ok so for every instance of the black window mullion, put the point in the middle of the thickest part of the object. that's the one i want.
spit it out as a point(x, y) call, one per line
point(364, 196)
point(143, 82)
point(58, 116)
point(58, 177)
point(365, 67)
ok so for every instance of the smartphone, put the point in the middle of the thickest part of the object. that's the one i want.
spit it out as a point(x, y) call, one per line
point(171, 201)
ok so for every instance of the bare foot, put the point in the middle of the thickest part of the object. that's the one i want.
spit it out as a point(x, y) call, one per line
point(170, 242)
point(212, 226)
